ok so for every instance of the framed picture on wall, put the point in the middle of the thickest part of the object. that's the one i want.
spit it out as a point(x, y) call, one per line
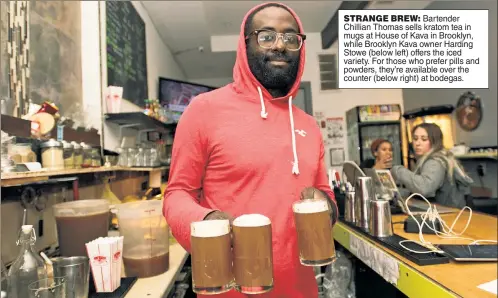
point(336, 157)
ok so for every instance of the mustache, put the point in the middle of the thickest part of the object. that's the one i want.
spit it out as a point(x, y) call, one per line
point(277, 56)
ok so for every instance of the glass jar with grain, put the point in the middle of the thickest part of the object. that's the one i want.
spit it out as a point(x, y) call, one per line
point(68, 155)
point(87, 155)
point(96, 158)
point(52, 155)
point(22, 153)
point(78, 155)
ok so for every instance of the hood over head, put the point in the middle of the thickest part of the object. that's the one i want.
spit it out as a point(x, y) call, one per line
point(244, 80)
point(246, 84)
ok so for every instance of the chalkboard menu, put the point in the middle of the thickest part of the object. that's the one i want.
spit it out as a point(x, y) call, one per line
point(126, 51)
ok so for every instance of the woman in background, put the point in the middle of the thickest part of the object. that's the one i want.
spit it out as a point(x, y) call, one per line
point(382, 150)
point(437, 173)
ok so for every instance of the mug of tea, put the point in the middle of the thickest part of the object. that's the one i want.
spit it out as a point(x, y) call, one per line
point(252, 254)
point(314, 232)
point(211, 253)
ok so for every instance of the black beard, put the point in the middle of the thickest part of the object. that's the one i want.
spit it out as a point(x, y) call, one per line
point(278, 81)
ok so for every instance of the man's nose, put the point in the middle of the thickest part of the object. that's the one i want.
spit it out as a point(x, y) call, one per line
point(279, 44)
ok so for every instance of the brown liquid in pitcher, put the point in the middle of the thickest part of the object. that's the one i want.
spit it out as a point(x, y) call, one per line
point(253, 260)
point(314, 234)
point(211, 261)
point(146, 267)
point(74, 232)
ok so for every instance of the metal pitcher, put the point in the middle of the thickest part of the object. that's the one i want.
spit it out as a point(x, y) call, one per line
point(349, 207)
point(380, 223)
point(364, 193)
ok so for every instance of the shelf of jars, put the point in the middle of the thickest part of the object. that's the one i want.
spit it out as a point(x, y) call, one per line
point(9, 179)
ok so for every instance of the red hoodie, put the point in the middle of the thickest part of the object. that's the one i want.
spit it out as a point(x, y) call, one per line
point(239, 150)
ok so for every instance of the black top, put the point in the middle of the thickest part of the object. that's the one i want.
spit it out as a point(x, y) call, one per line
point(367, 164)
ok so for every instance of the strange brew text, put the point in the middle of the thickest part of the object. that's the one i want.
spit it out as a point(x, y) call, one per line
point(413, 49)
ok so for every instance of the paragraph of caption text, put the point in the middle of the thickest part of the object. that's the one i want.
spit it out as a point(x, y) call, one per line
point(413, 49)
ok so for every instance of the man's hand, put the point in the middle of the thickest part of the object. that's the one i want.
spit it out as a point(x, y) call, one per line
point(218, 215)
point(311, 193)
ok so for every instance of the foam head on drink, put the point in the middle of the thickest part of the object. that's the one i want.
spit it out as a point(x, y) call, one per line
point(311, 206)
point(210, 228)
point(251, 220)
point(211, 256)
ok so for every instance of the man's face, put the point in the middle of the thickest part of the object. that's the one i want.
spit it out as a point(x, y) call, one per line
point(274, 68)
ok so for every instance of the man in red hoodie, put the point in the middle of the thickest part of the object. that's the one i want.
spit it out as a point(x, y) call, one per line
point(244, 148)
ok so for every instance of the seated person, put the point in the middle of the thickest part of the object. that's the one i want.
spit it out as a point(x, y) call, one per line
point(437, 174)
point(382, 150)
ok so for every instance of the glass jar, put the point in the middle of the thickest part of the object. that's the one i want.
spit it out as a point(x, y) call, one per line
point(123, 157)
point(139, 158)
point(78, 155)
point(68, 154)
point(96, 159)
point(87, 155)
point(5, 160)
point(52, 155)
point(132, 152)
point(22, 153)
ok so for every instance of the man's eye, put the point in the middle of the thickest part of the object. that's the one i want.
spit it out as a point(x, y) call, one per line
point(291, 39)
point(266, 38)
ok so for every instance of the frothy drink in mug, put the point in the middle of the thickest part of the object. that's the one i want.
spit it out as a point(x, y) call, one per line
point(314, 232)
point(252, 254)
point(211, 257)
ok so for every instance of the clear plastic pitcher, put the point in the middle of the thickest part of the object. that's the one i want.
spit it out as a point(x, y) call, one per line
point(79, 222)
point(146, 238)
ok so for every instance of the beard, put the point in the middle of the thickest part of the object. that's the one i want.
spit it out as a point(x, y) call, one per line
point(270, 76)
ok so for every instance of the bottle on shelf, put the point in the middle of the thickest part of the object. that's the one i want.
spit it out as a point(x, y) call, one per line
point(147, 110)
point(28, 267)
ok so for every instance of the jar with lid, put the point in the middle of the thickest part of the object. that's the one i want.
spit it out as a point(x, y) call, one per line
point(139, 158)
point(78, 155)
point(87, 155)
point(96, 159)
point(68, 150)
point(52, 154)
point(21, 153)
point(123, 157)
point(132, 152)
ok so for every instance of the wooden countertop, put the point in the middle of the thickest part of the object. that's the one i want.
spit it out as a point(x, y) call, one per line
point(159, 286)
point(462, 278)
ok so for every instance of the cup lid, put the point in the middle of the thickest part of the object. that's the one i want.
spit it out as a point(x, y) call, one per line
point(51, 143)
point(67, 145)
point(75, 145)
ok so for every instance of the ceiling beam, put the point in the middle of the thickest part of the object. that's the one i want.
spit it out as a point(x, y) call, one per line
point(331, 31)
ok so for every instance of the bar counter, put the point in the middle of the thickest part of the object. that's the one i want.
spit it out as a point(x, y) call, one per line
point(454, 279)
point(160, 285)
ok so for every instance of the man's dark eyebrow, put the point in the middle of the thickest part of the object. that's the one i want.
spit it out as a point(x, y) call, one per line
point(288, 30)
point(267, 28)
